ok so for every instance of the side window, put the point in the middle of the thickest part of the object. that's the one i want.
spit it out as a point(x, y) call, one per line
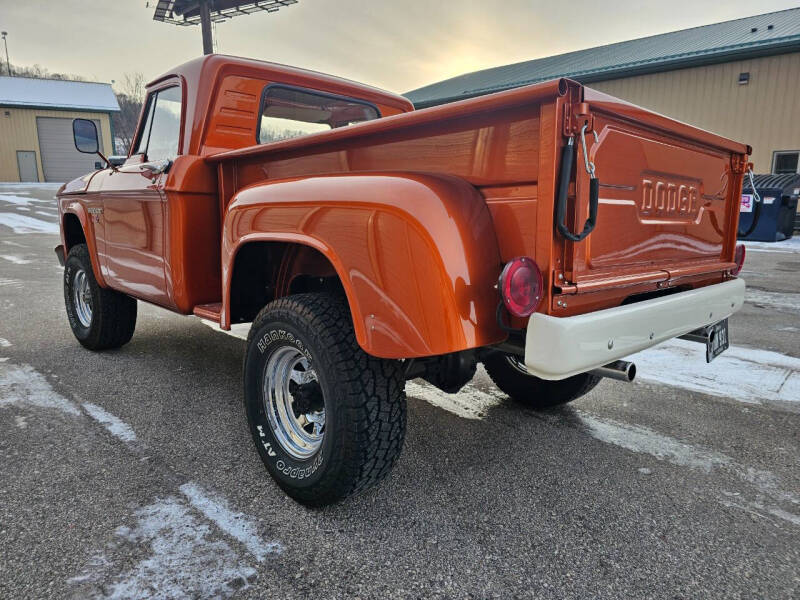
point(162, 125)
point(288, 113)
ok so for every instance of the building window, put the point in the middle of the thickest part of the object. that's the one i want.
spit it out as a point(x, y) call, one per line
point(786, 162)
point(744, 78)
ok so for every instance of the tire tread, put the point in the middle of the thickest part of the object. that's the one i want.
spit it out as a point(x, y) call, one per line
point(534, 392)
point(114, 316)
point(374, 397)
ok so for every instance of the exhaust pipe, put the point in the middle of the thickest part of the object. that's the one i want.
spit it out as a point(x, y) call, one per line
point(622, 370)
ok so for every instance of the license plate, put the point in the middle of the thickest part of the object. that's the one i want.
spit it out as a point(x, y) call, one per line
point(717, 340)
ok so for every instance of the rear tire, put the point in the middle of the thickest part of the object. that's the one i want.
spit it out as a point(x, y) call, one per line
point(513, 379)
point(327, 419)
point(100, 318)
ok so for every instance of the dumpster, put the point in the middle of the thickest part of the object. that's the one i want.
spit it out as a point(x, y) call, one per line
point(779, 194)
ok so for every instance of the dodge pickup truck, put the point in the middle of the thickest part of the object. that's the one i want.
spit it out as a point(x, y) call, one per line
point(547, 232)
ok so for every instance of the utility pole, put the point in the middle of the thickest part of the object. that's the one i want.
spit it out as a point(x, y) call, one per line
point(205, 24)
point(8, 62)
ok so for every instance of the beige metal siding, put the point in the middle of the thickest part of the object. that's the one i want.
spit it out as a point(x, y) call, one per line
point(765, 113)
point(18, 132)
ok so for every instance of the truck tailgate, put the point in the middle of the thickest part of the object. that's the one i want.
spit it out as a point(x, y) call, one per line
point(668, 201)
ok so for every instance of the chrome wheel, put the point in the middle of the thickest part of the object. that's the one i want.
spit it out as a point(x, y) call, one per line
point(294, 402)
point(82, 298)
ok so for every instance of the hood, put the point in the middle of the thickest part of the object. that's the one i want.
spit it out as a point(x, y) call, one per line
point(76, 186)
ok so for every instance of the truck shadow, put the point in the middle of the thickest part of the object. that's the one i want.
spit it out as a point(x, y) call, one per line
point(512, 457)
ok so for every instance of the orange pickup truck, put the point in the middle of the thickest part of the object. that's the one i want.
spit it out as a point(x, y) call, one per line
point(546, 232)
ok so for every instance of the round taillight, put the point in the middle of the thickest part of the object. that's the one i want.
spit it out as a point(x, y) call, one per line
point(738, 258)
point(521, 286)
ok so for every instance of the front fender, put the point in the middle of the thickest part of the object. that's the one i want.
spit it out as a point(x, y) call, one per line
point(72, 205)
point(416, 254)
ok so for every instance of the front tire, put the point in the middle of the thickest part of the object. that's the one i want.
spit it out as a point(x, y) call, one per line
point(510, 375)
point(100, 318)
point(327, 419)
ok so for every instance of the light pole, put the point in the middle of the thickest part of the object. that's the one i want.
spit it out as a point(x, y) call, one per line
point(207, 12)
point(5, 42)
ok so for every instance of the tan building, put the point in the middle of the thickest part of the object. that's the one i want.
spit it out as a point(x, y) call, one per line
point(36, 127)
point(739, 78)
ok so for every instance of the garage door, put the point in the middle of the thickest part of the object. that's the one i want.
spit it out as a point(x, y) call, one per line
point(60, 160)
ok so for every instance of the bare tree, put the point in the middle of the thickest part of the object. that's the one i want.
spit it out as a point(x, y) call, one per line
point(130, 94)
point(40, 72)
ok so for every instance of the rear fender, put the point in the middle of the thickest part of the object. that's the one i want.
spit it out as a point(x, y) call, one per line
point(416, 254)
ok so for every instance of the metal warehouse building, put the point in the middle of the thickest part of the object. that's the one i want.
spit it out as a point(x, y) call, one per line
point(36, 127)
point(739, 78)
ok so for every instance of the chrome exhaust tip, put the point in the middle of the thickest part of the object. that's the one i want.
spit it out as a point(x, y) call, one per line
point(621, 370)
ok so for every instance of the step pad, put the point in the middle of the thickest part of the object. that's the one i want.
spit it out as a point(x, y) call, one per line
point(209, 312)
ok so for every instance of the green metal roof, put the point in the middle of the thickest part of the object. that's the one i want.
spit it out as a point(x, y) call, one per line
point(761, 35)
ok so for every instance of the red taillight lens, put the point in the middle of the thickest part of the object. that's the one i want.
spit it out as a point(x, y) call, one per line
point(521, 286)
point(738, 258)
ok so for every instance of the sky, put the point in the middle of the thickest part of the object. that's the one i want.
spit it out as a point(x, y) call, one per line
point(397, 46)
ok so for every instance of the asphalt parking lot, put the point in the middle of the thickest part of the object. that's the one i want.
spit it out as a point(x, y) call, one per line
point(131, 473)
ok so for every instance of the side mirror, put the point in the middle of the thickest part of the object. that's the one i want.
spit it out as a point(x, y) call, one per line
point(84, 132)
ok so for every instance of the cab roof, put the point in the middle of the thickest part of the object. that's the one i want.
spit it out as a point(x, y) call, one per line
point(200, 78)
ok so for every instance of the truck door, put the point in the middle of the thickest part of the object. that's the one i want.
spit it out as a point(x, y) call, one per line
point(134, 203)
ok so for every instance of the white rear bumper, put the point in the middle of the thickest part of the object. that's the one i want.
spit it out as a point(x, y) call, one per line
point(559, 347)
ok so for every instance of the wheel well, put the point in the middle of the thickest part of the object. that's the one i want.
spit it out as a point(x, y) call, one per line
point(265, 271)
point(73, 232)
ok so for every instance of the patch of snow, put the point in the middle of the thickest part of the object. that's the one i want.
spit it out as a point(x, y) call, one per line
point(643, 440)
point(17, 200)
point(782, 514)
point(469, 403)
point(790, 245)
point(13, 185)
point(758, 509)
point(20, 421)
point(44, 213)
point(238, 330)
point(646, 441)
point(24, 386)
point(4, 343)
point(185, 560)
point(11, 283)
point(235, 524)
point(25, 224)
point(15, 259)
point(784, 301)
point(744, 374)
point(112, 423)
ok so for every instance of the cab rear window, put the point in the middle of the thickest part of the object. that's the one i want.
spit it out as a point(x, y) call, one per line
point(290, 112)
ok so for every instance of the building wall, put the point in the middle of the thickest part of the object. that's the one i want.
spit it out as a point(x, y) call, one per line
point(18, 132)
point(765, 113)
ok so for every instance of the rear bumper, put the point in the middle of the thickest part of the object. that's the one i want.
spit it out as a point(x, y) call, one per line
point(556, 348)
